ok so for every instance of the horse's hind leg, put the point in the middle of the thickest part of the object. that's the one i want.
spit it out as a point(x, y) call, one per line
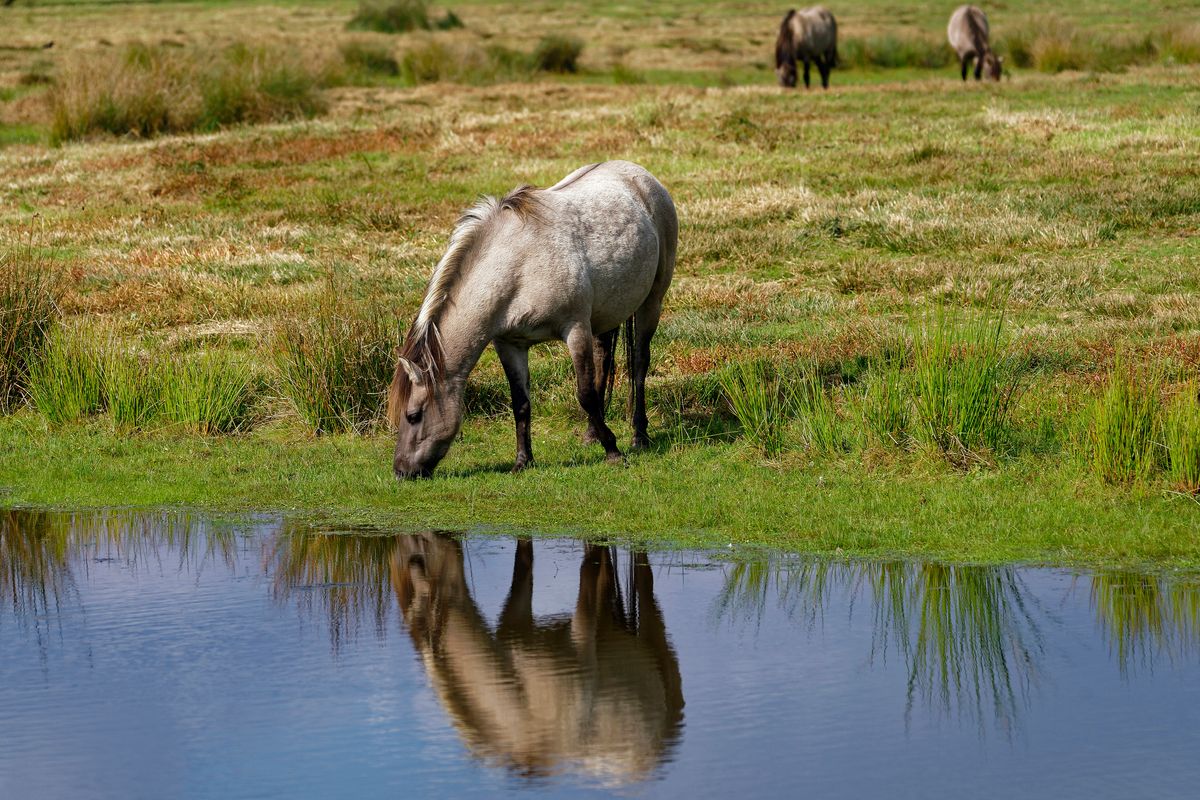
point(824, 64)
point(581, 344)
point(515, 361)
point(979, 67)
point(966, 61)
point(604, 349)
point(645, 324)
point(806, 65)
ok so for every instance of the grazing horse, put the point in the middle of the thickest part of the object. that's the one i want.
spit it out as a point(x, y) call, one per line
point(597, 690)
point(968, 34)
point(572, 262)
point(810, 36)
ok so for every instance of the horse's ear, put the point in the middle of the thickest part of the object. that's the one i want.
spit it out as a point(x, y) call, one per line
point(414, 373)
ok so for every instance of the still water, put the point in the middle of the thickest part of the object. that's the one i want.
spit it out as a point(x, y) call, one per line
point(167, 655)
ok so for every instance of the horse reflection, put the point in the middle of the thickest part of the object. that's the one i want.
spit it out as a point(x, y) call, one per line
point(597, 691)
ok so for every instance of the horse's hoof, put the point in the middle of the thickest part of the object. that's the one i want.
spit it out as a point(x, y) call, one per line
point(640, 443)
point(616, 458)
point(590, 437)
point(521, 466)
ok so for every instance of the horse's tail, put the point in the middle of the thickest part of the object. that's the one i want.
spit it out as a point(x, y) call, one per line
point(610, 361)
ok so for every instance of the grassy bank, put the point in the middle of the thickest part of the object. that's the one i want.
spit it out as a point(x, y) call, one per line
point(707, 495)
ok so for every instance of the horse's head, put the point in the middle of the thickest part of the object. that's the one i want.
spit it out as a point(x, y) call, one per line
point(424, 408)
point(992, 65)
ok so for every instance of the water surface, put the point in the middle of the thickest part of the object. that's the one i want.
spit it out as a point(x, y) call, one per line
point(172, 655)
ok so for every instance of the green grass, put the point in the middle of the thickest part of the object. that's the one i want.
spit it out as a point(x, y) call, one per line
point(29, 295)
point(66, 380)
point(133, 389)
point(558, 54)
point(209, 393)
point(1124, 426)
point(1181, 434)
point(399, 16)
point(763, 402)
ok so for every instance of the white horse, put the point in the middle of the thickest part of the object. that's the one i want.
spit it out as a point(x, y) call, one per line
point(808, 35)
point(571, 262)
point(968, 34)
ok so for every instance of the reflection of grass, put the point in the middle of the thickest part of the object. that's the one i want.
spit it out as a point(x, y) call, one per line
point(1145, 617)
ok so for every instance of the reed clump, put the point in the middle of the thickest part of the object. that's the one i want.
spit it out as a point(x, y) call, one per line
point(147, 90)
point(1181, 438)
point(334, 368)
point(29, 294)
point(66, 380)
point(209, 393)
point(400, 16)
point(365, 58)
point(885, 404)
point(963, 383)
point(890, 51)
point(1123, 426)
point(133, 389)
point(558, 53)
point(1052, 44)
point(762, 402)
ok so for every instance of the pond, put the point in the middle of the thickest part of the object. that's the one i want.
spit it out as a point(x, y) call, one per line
point(174, 655)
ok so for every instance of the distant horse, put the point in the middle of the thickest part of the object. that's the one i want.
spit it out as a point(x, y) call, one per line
point(968, 34)
point(810, 36)
point(572, 262)
point(596, 690)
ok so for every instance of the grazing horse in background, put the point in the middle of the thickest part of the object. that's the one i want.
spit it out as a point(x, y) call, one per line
point(596, 690)
point(968, 34)
point(810, 36)
point(572, 262)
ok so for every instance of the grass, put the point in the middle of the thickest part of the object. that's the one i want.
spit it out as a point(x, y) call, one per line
point(804, 241)
point(333, 368)
point(763, 403)
point(66, 380)
point(1181, 434)
point(29, 295)
point(558, 54)
point(399, 16)
point(1124, 426)
point(133, 390)
point(146, 90)
point(210, 393)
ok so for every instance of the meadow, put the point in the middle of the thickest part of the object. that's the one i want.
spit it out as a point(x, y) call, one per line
point(910, 316)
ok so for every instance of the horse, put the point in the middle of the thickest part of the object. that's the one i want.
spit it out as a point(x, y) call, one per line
point(572, 262)
point(597, 690)
point(968, 34)
point(810, 36)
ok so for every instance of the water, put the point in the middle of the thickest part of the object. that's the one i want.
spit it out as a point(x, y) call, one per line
point(169, 655)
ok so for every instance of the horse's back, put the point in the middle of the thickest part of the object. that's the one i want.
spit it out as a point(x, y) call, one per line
point(961, 30)
point(816, 30)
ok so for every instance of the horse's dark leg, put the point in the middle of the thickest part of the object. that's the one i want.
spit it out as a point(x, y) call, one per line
point(645, 324)
point(806, 65)
point(515, 361)
point(603, 355)
point(824, 65)
point(979, 67)
point(580, 343)
point(966, 60)
point(516, 618)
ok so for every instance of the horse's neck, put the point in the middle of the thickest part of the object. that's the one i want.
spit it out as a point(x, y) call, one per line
point(465, 326)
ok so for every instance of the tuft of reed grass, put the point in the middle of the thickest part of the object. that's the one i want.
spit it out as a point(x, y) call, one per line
point(821, 428)
point(399, 16)
point(133, 390)
point(367, 58)
point(1181, 436)
point(885, 402)
point(66, 381)
point(146, 90)
point(29, 293)
point(1052, 44)
point(335, 368)
point(890, 51)
point(1123, 426)
point(762, 402)
point(963, 383)
point(558, 53)
point(210, 393)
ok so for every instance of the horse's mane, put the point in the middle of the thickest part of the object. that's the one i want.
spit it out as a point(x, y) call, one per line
point(784, 46)
point(423, 345)
point(978, 38)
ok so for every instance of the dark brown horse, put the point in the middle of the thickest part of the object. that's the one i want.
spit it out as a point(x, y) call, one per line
point(808, 36)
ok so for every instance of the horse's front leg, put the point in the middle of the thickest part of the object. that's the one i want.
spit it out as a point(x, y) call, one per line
point(580, 343)
point(806, 65)
point(979, 67)
point(966, 65)
point(515, 360)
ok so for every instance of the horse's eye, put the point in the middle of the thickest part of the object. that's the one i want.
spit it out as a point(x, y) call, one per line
point(413, 417)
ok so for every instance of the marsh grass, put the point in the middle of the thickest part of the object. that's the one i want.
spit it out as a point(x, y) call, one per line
point(146, 90)
point(66, 381)
point(820, 426)
point(399, 16)
point(884, 403)
point(1053, 44)
point(1124, 427)
point(1181, 437)
point(335, 368)
point(762, 401)
point(964, 381)
point(891, 51)
point(29, 293)
point(133, 389)
point(366, 58)
point(557, 53)
point(209, 393)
